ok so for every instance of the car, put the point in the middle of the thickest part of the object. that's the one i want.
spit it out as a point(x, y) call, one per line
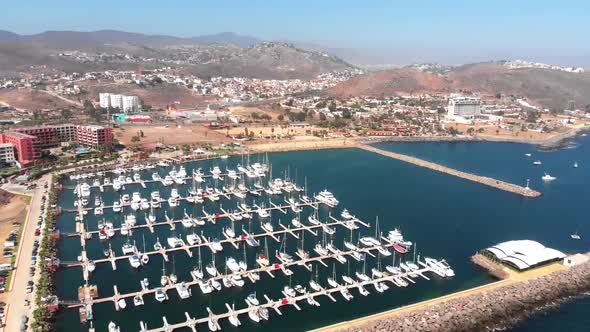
point(29, 289)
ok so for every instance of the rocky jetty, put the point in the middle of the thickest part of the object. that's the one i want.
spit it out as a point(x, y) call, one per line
point(488, 181)
point(481, 311)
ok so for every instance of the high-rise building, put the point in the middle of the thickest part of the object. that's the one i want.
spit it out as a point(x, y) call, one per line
point(130, 104)
point(104, 100)
point(467, 107)
point(126, 104)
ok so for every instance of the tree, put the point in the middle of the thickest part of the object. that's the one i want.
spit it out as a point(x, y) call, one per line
point(332, 106)
point(322, 117)
point(246, 131)
point(470, 130)
point(66, 113)
point(453, 131)
point(321, 104)
point(135, 139)
point(281, 117)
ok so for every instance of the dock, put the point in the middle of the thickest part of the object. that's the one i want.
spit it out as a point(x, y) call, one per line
point(276, 304)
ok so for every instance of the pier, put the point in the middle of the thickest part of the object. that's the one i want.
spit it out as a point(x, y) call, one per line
point(276, 304)
point(268, 269)
point(490, 182)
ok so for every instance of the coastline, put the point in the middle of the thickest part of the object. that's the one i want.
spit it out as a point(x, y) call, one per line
point(552, 142)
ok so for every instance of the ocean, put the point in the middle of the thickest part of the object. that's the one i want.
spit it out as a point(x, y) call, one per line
point(444, 216)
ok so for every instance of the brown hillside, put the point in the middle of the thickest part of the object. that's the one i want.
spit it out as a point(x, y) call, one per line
point(392, 82)
point(550, 88)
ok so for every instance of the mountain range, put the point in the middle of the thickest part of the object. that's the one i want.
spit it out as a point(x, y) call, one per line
point(223, 54)
point(552, 89)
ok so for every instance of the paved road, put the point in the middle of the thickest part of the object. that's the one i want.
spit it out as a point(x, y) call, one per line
point(18, 294)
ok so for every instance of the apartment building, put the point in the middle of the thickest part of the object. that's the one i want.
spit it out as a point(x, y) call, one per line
point(467, 107)
point(23, 144)
point(30, 142)
point(94, 136)
point(126, 104)
point(7, 153)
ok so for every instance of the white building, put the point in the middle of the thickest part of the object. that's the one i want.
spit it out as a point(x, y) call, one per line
point(126, 104)
point(7, 153)
point(105, 99)
point(130, 104)
point(464, 106)
point(117, 101)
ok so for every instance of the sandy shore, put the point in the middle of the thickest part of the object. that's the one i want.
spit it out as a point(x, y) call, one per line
point(280, 146)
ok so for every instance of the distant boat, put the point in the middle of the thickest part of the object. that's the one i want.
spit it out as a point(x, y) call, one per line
point(548, 177)
point(576, 164)
point(576, 236)
point(528, 154)
point(537, 162)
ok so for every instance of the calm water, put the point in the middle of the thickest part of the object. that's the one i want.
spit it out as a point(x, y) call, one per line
point(445, 216)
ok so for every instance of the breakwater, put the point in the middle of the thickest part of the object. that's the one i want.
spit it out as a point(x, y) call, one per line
point(488, 181)
point(480, 308)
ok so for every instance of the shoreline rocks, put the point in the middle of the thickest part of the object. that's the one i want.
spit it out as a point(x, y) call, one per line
point(501, 306)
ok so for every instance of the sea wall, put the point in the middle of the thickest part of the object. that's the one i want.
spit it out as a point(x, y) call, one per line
point(483, 310)
point(491, 182)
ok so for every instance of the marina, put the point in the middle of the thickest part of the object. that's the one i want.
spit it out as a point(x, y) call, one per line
point(220, 216)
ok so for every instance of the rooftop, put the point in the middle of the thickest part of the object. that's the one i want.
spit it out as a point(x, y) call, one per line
point(524, 254)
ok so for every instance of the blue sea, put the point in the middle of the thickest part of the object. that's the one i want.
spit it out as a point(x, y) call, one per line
point(444, 216)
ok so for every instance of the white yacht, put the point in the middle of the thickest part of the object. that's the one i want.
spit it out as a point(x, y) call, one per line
point(174, 242)
point(160, 295)
point(548, 178)
point(327, 198)
point(116, 207)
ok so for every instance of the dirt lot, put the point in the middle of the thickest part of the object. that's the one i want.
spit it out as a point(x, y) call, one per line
point(30, 100)
point(493, 130)
point(273, 130)
point(246, 111)
point(12, 209)
point(158, 97)
point(172, 135)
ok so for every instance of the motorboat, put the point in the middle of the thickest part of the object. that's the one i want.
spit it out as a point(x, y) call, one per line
point(346, 215)
point(91, 266)
point(135, 260)
point(211, 269)
point(116, 207)
point(183, 290)
point(128, 248)
point(327, 198)
point(113, 327)
point(232, 265)
point(252, 300)
point(138, 300)
point(160, 295)
point(122, 303)
point(174, 242)
point(537, 162)
point(288, 291)
point(193, 239)
point(548, 178)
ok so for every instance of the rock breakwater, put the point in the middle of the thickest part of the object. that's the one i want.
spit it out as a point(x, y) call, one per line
point(491, 182)
point(482, 310)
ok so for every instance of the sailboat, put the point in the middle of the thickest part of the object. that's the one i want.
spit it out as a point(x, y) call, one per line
point(332, 280)
point(164, 278)
point(145, 258)
point(575, 164)
point(173, 278)
point(313, 283)
point(198, 270)
point(210, 268)
point(362, 275)
point(262, 259)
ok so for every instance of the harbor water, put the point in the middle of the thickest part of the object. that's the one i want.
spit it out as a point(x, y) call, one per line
point(444, 216)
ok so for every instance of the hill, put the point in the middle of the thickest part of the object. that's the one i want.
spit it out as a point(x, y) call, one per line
point(550, 88)
point(224, 54)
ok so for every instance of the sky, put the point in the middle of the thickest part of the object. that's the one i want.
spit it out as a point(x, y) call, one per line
point(378, 31)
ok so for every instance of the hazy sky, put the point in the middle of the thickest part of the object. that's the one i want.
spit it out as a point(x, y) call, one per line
point(391, 31)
